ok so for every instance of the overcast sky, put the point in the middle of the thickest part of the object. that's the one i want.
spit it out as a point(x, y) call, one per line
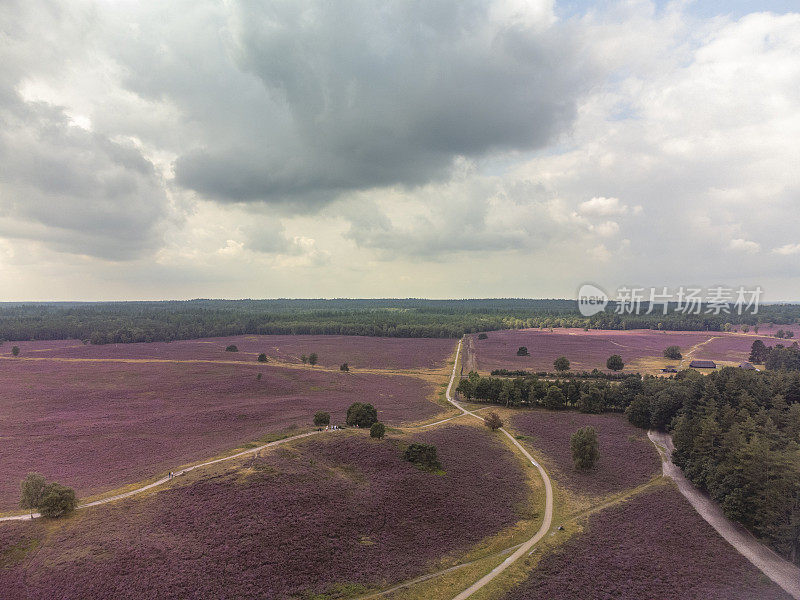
point(450, 148)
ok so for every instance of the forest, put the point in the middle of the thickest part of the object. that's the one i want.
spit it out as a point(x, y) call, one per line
point(124, 322)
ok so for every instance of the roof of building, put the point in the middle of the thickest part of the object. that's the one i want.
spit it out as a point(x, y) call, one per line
point(748, 366)
point(703, 364)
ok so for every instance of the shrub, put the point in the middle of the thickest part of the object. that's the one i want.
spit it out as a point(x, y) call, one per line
point(482, 336)
point(422, 455)
point(493, 421)
point(673, 352)
point(57, 501)
point(52, 500)
point(259, 376)
point(614, 363)
point(361, 415)
point(262, 357)
point(232, 348)
point(378, 430)
point(322, 418)
point(522, 351)
point(344, 367)
point(561, 363)
point(15, 350)
point(585, 448)
point(312, 358)
point(304, 358)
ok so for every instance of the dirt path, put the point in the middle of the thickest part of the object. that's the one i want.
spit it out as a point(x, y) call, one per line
point(690, 354)
point(524, 548)
point(782, 572)
point(164, 480)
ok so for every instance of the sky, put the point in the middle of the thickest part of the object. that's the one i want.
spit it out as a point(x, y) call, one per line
point(449, 149)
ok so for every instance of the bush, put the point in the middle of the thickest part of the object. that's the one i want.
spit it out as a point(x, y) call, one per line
point(585, 448)
point(673, 352)
point(482, 336)
point(614, 363)
point(15, 350)
point(561, 363)
point(304, 358)
point(322, 418)
point(378, 430)
point(493, 421)
point(52, 500)
point(344, 367)
point(262, 357)
point(422, 455)
point(522, 351)
point(232, 348)
point(312, 358)
point(57, 501)
point(361, 415)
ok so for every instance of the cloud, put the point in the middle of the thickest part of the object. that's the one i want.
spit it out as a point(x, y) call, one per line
point(603, 207)
point(742, 245)
point(788, 249)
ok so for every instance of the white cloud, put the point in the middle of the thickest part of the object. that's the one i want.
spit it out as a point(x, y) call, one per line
point(742, 245)
point(788, 249)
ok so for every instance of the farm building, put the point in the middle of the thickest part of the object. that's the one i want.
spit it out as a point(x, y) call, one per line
point(703, 364)
point(747, 366)
point(669, 370)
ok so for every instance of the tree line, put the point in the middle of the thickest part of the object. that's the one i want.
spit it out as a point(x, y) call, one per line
point(124, 322)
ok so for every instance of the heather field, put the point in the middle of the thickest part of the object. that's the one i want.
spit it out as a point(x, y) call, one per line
point(329, 510)
point(94, 427)
point(332, 350)
point(653, 546)
point(627, 458)
point(586, 350)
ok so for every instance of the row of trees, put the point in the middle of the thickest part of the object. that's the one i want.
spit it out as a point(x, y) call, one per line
point(125, 322)
point(776, 357)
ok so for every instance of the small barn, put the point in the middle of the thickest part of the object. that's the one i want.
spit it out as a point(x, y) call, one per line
point(703, 364)
point(669, 370)
point(747, 366)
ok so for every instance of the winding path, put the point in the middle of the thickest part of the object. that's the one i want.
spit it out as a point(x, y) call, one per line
point(781, 571)
point(525, 547)
point(164, 480)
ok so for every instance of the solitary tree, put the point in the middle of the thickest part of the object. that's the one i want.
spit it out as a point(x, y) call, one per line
point(789, 334)
point(322, 418)
point(232, 348)
point(615, 363)
point(780, 333)
point(493, 421)
point(361, 414)
point(673, 352)
point(585, 448)
point(378, 430)
point(304, 358)
point(758, 352)
point(422, 455)
point(344, 367)
point(15, 350)
point(482, 336)
point(561, 363)
point(522, 351)
point(312, 358)
point(32, 487)
point(745, 328)
point(262, 357)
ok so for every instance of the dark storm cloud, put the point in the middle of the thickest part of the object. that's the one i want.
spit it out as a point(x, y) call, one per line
point(358, 95)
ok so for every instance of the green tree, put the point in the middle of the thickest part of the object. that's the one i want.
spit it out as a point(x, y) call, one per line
point(638, 411)
point(57, 501)
point(304, 358)
point(322, 418)
point(673, 352)
point(554, 399)
point(32, 487)
point(231, 348)
point(360, 414)
point(262, 357)
point(493, 421)
point(344, 367)
point(561, 363)
point(482, 336)
point(758, 352)
point(615, 363)
point(15, 350)
point(378, 430)
point(312, 358)
point(522, 351)
point(780, 333)
point(591, 401)
point(422, 455)
point(585, 448)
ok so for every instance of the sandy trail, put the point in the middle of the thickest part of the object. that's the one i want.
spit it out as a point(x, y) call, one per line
point(781, 571)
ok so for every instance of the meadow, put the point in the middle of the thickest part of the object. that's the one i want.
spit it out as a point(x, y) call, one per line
point(95, 426)
point(652, 546)
point(332, 350)
point(335, 512)
point(627, 458)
